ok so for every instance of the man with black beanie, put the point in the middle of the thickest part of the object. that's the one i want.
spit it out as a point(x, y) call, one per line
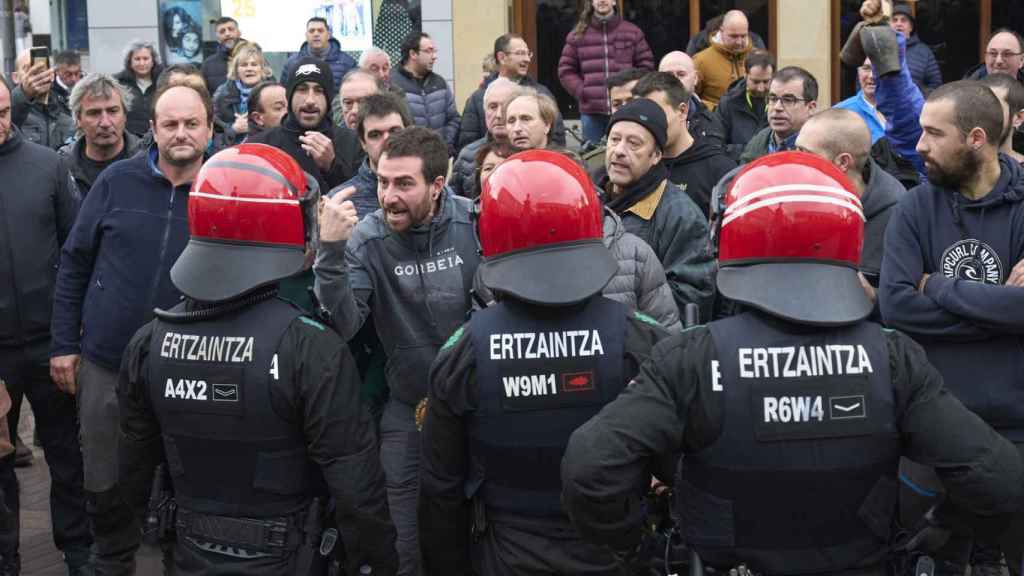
point(330, 153)
point(637, 188)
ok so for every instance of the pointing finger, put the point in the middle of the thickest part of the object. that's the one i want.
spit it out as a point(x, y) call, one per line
point(342, 195)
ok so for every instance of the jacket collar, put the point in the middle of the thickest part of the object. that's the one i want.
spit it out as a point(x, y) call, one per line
point(13, 142)
point(646, 207)
point(650, 184)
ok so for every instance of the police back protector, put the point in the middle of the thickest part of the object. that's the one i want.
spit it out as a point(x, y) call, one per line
point(228, 451)
point(802, 478)
point(541, 373)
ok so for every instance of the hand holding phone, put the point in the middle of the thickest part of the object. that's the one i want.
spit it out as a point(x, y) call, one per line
point(40, 56)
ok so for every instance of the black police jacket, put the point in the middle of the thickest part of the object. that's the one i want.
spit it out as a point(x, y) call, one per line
point(191, 392)
point(461, 415)
point(678, 402)
point(811, 443)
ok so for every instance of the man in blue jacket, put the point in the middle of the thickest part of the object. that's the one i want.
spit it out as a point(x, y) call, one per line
point(953, 269)
point(319, 44)
point(430, 99)
point(114, 271)
point(380, 116)
point(924, 69)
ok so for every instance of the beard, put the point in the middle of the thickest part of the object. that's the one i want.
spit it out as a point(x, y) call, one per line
point(179, 158)
point(963, 164)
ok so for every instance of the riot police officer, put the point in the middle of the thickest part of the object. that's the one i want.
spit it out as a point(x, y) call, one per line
point(510, 385)
point(792, 415)
point(251, 403)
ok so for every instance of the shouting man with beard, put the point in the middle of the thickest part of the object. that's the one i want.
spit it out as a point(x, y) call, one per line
point(330, 153)
point(411, 263)
point(953, 271)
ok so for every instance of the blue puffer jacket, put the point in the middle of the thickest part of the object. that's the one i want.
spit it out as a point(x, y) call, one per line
point(431, 103)
point(899, 99)
point(924, 69)
point(339, 61)
point(365, 199)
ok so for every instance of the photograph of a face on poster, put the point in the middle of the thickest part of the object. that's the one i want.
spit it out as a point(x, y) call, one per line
point(181, 31)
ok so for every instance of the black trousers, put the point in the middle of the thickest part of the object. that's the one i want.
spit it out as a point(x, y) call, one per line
point(528, 547)
point(26, 371)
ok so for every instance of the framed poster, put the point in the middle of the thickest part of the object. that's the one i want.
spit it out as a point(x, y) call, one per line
point(351, 21)
point(280, 26)
point(181, 31)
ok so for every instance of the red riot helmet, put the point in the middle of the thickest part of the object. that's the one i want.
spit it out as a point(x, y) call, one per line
point(788, 230)
point(541, 231)
point(252, 213)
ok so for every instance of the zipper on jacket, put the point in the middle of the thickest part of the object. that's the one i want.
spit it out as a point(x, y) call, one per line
point(607, 94)
point(163, 247)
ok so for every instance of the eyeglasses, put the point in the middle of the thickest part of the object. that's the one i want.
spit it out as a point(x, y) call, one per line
point(788, 101)
point(1005, 55)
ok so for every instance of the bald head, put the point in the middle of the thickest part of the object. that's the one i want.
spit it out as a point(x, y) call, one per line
point(839, 136)
point(680, 65)
point(735, 17)
point(1003, 53)
point(735, 31)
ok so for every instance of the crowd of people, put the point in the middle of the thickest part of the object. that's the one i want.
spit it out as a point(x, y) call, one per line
point(154, 222)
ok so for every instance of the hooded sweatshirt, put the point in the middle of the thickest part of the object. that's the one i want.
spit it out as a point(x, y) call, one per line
point(347, 151)
point(698, 169)
point(970, 323)
point(416, 283)
point(882, 193)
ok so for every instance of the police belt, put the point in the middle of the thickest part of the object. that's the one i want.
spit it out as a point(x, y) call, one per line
point(276, 536)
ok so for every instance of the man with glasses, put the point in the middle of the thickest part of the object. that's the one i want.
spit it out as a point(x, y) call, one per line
point(792, 100)
point(513, 57)
point(430, 100)
point(1004, 54)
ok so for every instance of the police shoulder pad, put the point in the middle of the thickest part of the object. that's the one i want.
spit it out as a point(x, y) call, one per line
point(645, 318)
point(454, 338)
point(309, 321)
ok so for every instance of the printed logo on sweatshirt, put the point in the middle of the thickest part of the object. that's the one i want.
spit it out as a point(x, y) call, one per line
point(445, 260)
point(972, 260)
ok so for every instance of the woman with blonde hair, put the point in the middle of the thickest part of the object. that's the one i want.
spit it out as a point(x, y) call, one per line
point(246, 68)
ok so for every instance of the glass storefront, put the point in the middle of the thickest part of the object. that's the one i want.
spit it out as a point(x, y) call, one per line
point(666, 25)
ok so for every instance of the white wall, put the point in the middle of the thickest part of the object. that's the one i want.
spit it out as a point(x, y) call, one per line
point(115, 23)
point(437, 21)
point(39, 16)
